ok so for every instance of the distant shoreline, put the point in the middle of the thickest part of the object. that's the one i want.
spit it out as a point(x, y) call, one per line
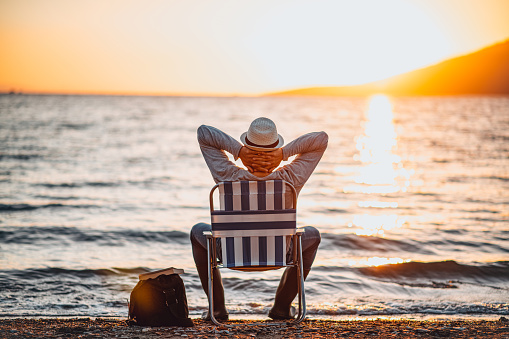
point(298, 93)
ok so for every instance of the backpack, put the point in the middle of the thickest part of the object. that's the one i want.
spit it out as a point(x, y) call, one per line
point(159, 302)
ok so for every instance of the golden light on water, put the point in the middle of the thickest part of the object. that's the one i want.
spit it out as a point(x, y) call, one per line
point(381, 171)
point(379, 135)
point(378, 204)
point(376, 261)
point(376, 225)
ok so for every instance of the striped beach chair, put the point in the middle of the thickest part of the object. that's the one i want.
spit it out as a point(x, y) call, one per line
point(255, 231)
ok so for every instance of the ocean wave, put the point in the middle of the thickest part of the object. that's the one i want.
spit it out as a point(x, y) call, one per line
point(480, 211)
point(40, 235)
point(53, 291)
point(75, 126)
point(373, 308)
point(424, 193)
point(39, 273)
point(372, 244)
point(485, 246)
point(19, 156)
point(30, 207)
point(145, 182)
point(95, 292)
point(493, 177)
point(447, 274)
point(412, 307)
point(54, 197)
point(444, 270)
point(77, 184)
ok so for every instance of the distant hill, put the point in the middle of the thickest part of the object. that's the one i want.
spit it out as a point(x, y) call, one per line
point(483, 72)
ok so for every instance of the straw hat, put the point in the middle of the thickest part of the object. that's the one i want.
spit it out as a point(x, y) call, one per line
point(262, 136)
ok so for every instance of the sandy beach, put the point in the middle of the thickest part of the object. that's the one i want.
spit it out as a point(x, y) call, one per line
point(117, 328)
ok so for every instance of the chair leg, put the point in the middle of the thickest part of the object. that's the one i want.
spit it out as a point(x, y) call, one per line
point(210, 282)
point(290, 286)
point(213, 285)
point(211, 267)
point(302, 293)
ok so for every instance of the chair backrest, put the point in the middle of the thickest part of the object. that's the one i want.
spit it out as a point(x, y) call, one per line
point(252, 222)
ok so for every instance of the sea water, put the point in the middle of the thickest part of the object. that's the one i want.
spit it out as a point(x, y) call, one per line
point(411, 198)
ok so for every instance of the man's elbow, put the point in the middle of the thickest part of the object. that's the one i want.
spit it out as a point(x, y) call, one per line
point(202, 132)
point(201, 129)
point(324, 139)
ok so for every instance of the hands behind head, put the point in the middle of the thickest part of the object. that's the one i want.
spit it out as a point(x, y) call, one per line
point(259, 161)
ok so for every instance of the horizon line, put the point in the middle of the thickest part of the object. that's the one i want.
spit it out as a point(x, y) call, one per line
point(13, 91)
point(128, 93)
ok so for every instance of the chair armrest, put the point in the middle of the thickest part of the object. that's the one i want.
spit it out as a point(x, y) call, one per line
point(300, 231)
point(208, 234)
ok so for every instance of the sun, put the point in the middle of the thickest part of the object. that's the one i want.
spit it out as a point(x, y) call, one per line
point(338, 45)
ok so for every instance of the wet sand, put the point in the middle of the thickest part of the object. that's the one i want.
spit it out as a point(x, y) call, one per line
point(115, 328)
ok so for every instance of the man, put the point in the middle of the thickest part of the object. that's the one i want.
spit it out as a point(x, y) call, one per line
point(261, 153)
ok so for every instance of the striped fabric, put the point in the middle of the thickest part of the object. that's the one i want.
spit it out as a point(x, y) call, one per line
point(252, 223)
point(252, 195)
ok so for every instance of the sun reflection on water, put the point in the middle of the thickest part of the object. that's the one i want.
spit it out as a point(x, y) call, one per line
point(376, 261)
point(381, 172)
point(378, 204)
point(376, 224)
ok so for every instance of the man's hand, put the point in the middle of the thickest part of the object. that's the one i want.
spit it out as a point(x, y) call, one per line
point(260, 161)
point(246, 155)
point(269, 161)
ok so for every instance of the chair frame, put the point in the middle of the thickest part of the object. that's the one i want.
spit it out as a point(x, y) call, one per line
point(213, 263)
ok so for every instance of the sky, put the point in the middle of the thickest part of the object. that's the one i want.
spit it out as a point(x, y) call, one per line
point(232, 47)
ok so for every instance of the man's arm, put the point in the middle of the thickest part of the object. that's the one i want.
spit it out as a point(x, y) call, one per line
point(309, 149)
point(213, 144)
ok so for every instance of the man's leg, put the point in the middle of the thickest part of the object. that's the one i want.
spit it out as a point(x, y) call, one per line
point(288, 285)
point(199, 245)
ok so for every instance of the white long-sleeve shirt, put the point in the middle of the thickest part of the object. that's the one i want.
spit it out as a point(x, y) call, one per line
point(309, 149)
